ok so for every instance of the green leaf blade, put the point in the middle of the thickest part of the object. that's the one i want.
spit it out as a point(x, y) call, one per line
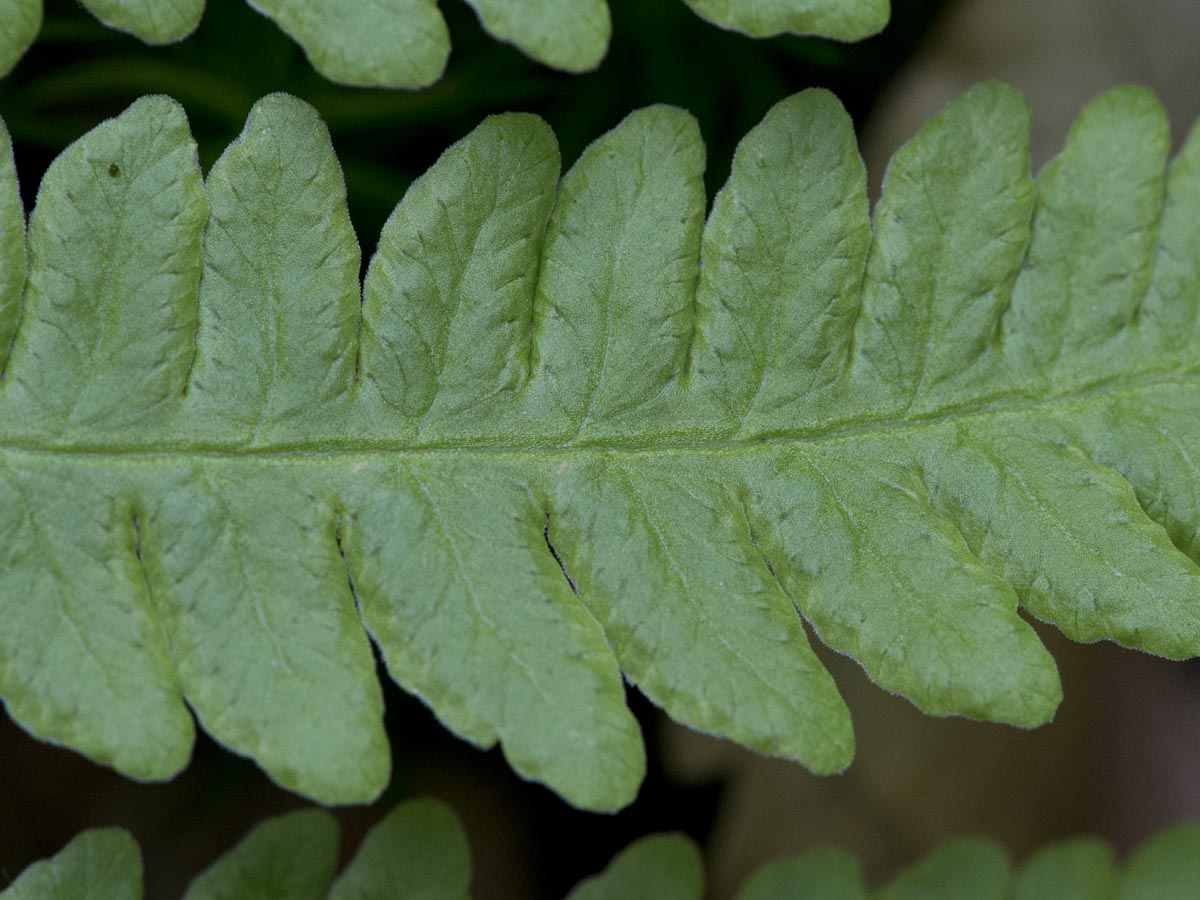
point(447, 299)
point(826, 874)
point(1099, 202)
point(277, 189)
point(783, 258)
point(539, 676)
point(677, 602)
point(1167, 310)
point(388, 43)
point(613, 313)
point(572, 432)
point(20, 22)
point(291, 856)
point(152, 21)
point(966, 867)
point(950, 236)
point(1139, 590)
point(1167, 867)
point(405, 43)
point(849, 20)
point(270, 652)
point(572, 37)
point(417, 851)
point(665, 866)
point(103, 864)
point(86, 665)
point(894, 583)
point(115, 257)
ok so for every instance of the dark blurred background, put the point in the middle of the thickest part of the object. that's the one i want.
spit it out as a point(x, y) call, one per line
point(1123, 756)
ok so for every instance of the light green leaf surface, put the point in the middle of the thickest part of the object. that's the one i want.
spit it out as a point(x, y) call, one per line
point(574, 431)
point(663, 866)
point(292, 856)
point(417, 852)
point(20, 22)
point(383, 43)
point(104, 864)
point(114, 247)
point(405, 43)
point(283, 321)
point(154, 21)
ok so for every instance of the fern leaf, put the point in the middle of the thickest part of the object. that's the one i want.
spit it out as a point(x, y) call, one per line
point(419, 850)
point(391, 43)
point(574, 431)
point(405, 43)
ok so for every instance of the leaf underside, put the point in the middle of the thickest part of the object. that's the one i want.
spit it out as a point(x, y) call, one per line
point(405, 43)
point(547, 446)
point(20, 22)
point(419, 850)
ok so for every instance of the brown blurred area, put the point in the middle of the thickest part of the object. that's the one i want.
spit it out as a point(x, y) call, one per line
point(1058, 53)
point(1121, 760)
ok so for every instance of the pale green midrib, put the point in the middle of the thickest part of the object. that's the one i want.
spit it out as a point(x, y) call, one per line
point(1107, 391)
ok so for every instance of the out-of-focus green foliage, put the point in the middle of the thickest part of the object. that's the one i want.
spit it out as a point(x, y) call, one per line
point(79, 72)
point(405, 43)
point(419, 852)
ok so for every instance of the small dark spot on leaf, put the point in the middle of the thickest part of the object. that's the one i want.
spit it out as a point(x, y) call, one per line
point(113, 170)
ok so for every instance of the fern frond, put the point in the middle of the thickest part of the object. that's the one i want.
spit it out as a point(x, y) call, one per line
point(572, 431)
point(405, 43)
point(419, 850)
